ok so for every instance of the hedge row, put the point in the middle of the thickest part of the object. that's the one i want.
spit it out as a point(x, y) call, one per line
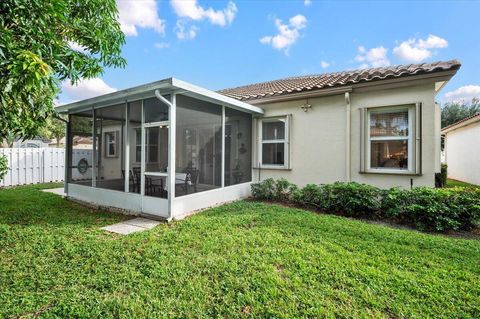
point(425, 208)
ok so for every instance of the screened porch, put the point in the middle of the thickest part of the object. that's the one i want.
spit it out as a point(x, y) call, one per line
point(147, 148)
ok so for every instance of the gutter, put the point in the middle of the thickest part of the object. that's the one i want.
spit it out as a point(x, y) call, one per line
point(171, 151)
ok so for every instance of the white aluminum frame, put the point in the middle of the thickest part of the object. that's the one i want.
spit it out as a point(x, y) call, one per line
point(409, 138)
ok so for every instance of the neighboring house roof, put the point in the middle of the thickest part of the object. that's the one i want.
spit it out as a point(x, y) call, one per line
point(330, 80)
point(465, 122)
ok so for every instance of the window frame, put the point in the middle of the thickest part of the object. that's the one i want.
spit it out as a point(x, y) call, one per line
point(109, 142)
point(411, 111)
point(285, 141)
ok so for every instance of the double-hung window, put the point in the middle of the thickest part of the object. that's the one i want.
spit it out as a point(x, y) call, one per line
point(274, 142)
point(111, 144)
point(391, 143)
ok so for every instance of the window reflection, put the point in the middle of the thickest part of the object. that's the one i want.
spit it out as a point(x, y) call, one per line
point(238, 147)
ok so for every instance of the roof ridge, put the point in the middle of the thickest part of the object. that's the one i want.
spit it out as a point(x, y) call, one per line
point(293, 84)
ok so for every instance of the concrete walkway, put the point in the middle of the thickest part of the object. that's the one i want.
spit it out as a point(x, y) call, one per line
point(124, 228)
point(132, 226)
point(57, 191)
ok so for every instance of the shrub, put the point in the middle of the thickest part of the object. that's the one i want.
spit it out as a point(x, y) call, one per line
point(441, 178)
point(310, 196)
point(264, 189)
point(434, 209)
point(439, 209)
point(269, 189)
point(351, 199)
point(3, 166)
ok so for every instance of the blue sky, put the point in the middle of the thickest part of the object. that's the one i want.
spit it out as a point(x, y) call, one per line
point(221, 44)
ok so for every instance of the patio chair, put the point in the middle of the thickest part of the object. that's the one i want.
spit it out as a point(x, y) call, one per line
point(192, 179)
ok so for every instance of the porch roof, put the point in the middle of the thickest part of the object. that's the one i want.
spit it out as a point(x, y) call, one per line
point(166, 86)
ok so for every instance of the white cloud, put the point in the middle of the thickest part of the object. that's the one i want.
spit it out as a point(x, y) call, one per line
point(465, 93)
point(324, 64)
point(374, 57)
point(307, 2)
point(86, 88)
point(417, 50)
point(162, 45)
point(192, 10)
point(136, 13)
point(77, 47)
point(184, 32)
point(287, 35)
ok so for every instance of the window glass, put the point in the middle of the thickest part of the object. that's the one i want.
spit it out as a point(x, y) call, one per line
point(198, 146)
point(389, 139)
point(273, 130)
point(238, 147)
point(155, 110)
point(389, 124)
point(81, 148)
point(109, 146)
point(273, 154)
point(389, 154)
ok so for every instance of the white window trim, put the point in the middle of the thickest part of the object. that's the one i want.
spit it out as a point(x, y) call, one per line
point(285, 141)
point(410, 138)
point(109, 142)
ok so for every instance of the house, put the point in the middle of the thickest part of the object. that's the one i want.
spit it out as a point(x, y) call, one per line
point(462, 149)
point(169, 148)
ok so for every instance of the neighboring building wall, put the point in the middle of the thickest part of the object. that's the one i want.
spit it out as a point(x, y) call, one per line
point(462, 151)
point(317, 144)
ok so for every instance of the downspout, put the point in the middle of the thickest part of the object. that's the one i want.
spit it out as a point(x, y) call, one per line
point(347, 137)
point(171, 164)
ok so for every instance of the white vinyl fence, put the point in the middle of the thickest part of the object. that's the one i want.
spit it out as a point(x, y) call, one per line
point(33, 165)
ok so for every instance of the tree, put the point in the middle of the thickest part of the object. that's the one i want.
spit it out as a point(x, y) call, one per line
point(45, 42)
point(54, 129)
point(455, 111)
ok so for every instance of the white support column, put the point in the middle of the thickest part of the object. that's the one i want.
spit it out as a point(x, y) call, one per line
point(172, 117)
point(143, 159)
point(223, 146)
point(94, 153)
point(126, 150)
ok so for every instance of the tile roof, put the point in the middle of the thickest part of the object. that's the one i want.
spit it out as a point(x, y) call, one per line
point(457, 124)
point(299, 84)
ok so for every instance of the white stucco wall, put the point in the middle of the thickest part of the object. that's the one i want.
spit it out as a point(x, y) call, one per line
point(318, 137)
point(462, 153)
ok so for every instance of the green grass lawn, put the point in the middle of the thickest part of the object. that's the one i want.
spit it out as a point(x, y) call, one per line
point(243, 259)
point(455, 183)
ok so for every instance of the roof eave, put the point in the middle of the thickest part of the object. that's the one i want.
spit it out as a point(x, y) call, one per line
point(461, 124)
point(169, 85)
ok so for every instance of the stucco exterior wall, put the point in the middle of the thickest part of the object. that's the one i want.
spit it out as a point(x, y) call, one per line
point(462, 151)
point(318, 137)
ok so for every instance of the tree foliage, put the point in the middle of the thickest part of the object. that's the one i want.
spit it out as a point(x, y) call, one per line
point(54, 129)
point(37, 40)
point(455, 111)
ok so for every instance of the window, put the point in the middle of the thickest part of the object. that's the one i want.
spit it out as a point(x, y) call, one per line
point(111, 144)
point(274, 144)
point(390, 143)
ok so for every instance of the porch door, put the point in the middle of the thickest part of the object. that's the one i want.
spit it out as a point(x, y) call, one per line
point(154, 179)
